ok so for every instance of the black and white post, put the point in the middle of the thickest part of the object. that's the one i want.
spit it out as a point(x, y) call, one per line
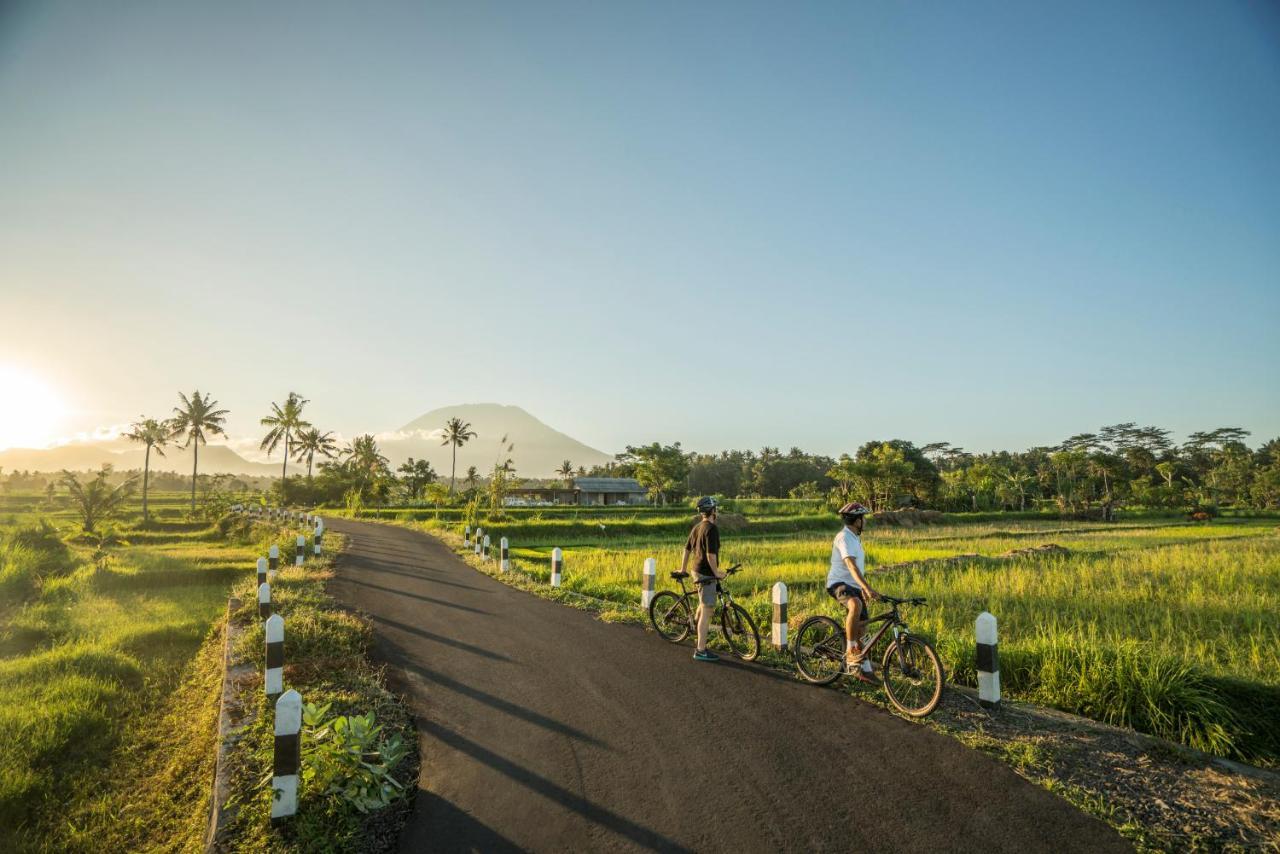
point(288, 756)
point(317, 537)
point(262, 570)
point(648, 582)
point(466, 536)
point(485, 550)
point(779, 616)
point(479, 534)
point(504, 556)
point(273, 679)
point(273, 557)
point(301, 550)
point(264, 600)
point(557, 566)
point(988, 661)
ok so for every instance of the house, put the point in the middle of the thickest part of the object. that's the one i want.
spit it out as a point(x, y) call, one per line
point(610, 490)
point(585, 490)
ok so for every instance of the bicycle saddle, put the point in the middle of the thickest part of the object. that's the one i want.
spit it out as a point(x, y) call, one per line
point(679, 575)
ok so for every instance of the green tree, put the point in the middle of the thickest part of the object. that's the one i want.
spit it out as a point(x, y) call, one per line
point(284, 421)
point(659, 468)
point(196, 419)
point(310, 442)
point(566, 472)
point(417, 475)
point(472, 478)
point(154, 434)
point(456, 434)
point(97, 501)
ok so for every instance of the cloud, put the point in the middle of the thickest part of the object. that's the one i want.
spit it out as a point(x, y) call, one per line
point(96, 436)
point(401, 435)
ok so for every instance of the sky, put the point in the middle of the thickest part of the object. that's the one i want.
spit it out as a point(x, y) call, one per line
point(727, 224)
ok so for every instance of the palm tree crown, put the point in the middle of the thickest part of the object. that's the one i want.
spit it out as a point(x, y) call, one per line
point(456, 433)
point(196, 419)
point(310, 442)
point(566, 472)
point(284, 422)
point(154, 434)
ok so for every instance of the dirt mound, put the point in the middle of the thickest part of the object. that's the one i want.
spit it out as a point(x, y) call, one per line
point(1042, 549)
point(725, 521)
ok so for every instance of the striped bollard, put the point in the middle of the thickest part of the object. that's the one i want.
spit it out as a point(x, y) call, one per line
point(273, 555)
point(479, 532)
point(316, 538)
point(319, 523)
point(557, 566)
point(301, 550)
point(288, 756)
point(466, 536)
point(988, 661)
point(779, 616)
point(273, 680)
point(649, 581)
point(484, 552)
point(264, 600)
point(262, 571)
point(504, 555)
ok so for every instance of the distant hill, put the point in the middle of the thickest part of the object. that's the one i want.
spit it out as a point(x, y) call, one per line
point(539, 449)
point(214, 459)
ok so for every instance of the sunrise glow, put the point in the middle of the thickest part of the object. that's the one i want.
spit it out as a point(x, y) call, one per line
point(30, 409)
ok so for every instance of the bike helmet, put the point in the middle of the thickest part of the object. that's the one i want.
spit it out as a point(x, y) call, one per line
point(706, 504)
point(852, 511)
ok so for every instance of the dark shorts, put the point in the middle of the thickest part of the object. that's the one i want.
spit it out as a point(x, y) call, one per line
point(707, 587)
point(842, 593)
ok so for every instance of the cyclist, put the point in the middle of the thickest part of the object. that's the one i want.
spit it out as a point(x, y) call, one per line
point(703, 546)
point(847, 584)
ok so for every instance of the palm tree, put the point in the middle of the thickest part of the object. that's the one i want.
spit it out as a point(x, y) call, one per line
point(97, 501)
point(365, 459)
point(196, 418)
point(284, 423)
point(153, 434)
point(456, 433)
point(472, 478)
point(310, 442)
point(566, 472)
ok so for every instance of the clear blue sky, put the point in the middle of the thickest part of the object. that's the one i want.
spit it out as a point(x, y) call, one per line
point(728, 224)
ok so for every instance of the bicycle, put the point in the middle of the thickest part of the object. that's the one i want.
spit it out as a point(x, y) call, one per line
point(910, 671)
point(672, 616)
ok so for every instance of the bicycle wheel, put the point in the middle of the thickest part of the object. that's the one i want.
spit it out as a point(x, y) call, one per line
point(819, 650)
point(670, 615)
point(912, 676)
point(740, 632)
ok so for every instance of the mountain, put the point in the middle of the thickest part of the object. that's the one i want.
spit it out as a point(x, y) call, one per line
point(214, 459)
point(539, 449)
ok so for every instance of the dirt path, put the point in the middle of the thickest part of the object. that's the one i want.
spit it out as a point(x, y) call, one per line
point(542, 728)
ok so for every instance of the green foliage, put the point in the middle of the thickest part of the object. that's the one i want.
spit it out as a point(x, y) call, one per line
point(346, 756)
point(97, 501)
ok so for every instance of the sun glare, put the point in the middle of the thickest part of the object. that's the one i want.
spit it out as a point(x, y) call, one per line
point(30, 409)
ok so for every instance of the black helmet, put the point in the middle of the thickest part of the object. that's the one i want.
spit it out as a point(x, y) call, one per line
point(706, 504)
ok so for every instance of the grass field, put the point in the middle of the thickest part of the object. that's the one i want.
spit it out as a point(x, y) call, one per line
point(1162, 625)
point(109, 678)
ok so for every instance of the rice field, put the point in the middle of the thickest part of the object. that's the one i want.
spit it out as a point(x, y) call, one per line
point(1163, 625)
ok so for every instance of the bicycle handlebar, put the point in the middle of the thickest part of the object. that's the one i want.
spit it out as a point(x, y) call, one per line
point(893, 600)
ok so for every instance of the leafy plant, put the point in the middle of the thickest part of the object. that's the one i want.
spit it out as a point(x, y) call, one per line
point(97, 501)
point(347, 757)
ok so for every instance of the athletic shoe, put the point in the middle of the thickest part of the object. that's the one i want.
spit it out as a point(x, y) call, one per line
point(705, 655)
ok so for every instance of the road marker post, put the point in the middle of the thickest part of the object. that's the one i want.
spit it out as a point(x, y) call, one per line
point(273, 554)
point(301, 550)
point(264, 600)
point(557, 566)
point(262, 570)
point(504, 555)
point(288, 756)
point(648, 581)
point(485, 552)
point(479, 534)
point(988, 660)
point(317, 537)
point(779, 616)
point(273, 679)
point(466, 536)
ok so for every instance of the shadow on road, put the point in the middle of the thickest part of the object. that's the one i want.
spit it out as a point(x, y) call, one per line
point(432, 636)
point(624, 827)
point(417, 596)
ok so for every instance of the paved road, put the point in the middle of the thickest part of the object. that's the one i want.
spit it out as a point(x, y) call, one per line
point(544, 729)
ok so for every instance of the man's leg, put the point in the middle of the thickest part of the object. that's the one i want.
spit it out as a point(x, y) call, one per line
point(853, 628)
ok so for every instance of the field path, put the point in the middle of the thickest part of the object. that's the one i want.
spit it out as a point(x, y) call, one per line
point(544, 729)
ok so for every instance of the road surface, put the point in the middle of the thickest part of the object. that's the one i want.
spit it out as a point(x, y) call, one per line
point(542, 728)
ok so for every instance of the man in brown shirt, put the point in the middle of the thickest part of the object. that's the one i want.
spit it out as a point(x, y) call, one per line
point(703, 546)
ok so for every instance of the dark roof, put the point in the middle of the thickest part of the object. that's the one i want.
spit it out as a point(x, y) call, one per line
point(608, 484)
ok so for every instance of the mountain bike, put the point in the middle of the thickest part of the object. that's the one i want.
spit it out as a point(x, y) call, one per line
point(910, 671)
point(672, 616)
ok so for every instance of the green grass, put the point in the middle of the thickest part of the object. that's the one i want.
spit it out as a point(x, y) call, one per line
point(109, 677)
point(1165, 626)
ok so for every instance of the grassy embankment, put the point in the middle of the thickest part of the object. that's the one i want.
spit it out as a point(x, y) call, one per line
point(1161, 625)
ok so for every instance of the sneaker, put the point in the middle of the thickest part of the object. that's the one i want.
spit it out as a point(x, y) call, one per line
point(705, 655)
